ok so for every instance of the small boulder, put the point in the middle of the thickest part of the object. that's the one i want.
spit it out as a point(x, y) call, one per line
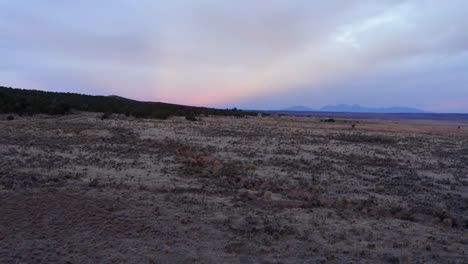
point(448, 222)
point(267, 195)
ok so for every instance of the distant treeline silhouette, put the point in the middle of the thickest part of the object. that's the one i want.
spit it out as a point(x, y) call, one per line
point(29, 102)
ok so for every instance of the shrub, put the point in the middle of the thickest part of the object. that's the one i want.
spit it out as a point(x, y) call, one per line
point(190, 117)
point(106, 115)
point(161, 114)
point(56, 109)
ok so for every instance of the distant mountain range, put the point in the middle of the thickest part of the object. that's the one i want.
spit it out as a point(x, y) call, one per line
point(354, 109)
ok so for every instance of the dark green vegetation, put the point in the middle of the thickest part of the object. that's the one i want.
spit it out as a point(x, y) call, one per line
point(29, 102)
point(329, 120)
point(190, 117)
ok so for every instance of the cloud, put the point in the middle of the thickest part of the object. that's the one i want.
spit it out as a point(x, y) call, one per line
point(220, 52)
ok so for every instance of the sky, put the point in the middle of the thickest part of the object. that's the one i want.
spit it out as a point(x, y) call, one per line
point(262, 54)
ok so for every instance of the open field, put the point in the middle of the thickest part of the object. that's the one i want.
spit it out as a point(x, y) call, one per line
point(412, 117)
point(77, 189)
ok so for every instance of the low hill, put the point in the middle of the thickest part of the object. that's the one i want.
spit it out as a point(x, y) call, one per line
point(30, 102)
point(361, 109)
point(344, 108)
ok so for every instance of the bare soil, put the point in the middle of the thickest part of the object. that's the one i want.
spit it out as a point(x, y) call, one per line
point(78, 189)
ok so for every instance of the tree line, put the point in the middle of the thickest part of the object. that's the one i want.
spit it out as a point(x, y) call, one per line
point(30, 102)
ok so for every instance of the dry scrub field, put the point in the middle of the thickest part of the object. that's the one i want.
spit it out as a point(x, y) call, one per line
point(77, 189)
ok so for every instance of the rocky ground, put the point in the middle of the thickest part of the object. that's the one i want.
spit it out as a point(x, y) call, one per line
point(78, 189)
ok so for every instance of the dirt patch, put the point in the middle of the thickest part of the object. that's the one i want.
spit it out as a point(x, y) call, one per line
point(56, 227)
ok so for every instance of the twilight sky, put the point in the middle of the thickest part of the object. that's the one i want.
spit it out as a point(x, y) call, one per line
point(263, 54)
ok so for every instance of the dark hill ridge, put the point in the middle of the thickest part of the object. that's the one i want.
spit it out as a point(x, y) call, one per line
point(344, 108)
point(121, 98)
point(30, 102)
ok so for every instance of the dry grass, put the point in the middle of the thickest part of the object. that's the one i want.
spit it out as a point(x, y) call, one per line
point(258, 190)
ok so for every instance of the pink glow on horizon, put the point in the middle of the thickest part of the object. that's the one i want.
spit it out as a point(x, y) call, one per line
point(450, 105)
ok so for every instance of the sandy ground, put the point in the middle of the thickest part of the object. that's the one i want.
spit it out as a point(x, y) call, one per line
point(77, 189)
